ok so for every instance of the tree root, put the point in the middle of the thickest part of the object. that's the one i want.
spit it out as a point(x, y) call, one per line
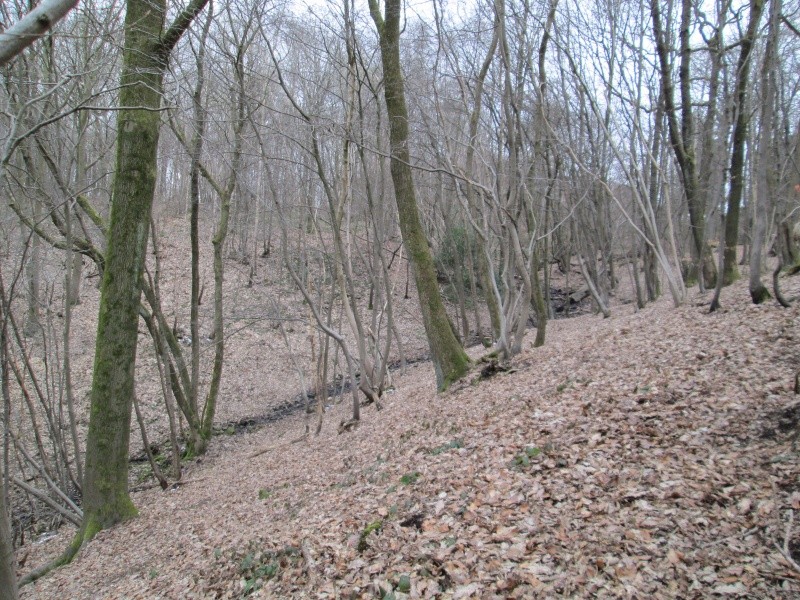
point(65, 558)
point(348, 425)
point(776, 287)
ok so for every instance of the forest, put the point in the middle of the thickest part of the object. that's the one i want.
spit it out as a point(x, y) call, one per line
point(491, 299)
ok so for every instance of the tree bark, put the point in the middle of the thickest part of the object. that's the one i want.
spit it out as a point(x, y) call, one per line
point(8, 575)
point(681, 135)
point(147, 47)
point(449, 359)
point(731, 272)
point(758, 291)
point(32, 26)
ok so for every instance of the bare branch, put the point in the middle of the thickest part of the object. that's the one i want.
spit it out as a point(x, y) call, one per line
point(32, 26)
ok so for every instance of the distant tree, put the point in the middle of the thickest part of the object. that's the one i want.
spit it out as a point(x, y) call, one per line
point(766, 159)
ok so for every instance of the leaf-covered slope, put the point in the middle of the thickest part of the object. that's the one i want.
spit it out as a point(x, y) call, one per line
point(642, 455)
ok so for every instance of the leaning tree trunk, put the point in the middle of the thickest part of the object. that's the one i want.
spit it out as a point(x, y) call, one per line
point(449, 359)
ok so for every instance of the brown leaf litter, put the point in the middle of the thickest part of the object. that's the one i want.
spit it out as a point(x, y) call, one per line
point(645, 455)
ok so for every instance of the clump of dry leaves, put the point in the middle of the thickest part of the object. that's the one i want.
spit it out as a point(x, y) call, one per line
point(649, 454)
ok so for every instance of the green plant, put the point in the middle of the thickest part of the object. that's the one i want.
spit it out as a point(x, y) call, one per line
point(258, 566)
point(533, 451)
point(264, 493)
point(410, 478)
point(362, 538)
point(523, 459)
point(452, 445)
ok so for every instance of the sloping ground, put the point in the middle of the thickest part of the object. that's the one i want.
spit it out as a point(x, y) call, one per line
point(643, 455)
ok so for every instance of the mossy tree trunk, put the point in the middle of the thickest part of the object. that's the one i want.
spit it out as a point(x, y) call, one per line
point(731, 271)
point(682, 131)
point(145, 55)
point(449, 359)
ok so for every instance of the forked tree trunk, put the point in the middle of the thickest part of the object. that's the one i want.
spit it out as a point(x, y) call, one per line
point(449, 359)
point(681, 133)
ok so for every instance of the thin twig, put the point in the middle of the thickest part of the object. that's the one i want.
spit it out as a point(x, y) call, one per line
point(741, 534)
point(310, 562)
point(258, 453)
point(787, 557)
point(788, 535)
point(784, 551)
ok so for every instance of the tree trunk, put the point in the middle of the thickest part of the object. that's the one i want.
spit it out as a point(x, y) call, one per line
point(33, 277)
point(449, 359)
point(731, 272)
point(762, 205)
point(147, 47)
point(106, 498)
point(8, 575)
point(681, 134)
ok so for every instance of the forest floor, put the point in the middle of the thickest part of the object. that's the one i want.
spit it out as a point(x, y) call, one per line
point(648, 454)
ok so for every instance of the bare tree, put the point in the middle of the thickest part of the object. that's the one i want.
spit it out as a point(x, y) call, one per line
point(681, 126)
point(145, 58)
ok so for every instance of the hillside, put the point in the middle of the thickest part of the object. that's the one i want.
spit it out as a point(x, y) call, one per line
point(649, 454)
